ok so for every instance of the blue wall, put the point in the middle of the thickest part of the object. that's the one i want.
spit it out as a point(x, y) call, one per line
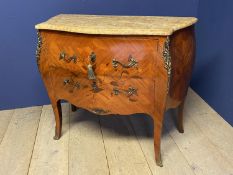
point(21, 84)
point(213, 73)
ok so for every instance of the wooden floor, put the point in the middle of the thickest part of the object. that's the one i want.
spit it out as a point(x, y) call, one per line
point(94, 145)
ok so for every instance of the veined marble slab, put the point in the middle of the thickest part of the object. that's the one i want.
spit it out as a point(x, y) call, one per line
point(117, 25)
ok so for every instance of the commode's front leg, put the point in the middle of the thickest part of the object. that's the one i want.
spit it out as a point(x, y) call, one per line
point(56, 104)
point(158, 126)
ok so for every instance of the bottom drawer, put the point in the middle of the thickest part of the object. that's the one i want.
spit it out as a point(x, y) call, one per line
point(105, 95)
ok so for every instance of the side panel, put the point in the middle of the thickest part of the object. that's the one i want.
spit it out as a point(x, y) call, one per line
point(182, 50)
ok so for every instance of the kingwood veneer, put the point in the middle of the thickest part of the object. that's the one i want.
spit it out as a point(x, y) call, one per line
point(117, 65)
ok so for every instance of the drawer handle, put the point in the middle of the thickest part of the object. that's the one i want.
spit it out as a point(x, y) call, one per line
point(63, 56)
point(129, 92)
point(72, 83)
point(132, 63)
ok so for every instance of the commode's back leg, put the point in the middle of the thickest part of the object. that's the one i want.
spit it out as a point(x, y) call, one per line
point(73, 108)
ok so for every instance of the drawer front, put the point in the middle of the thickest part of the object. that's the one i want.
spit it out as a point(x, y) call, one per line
point(125, 96)
point(72, 87)
point(102, 55)
point(105, 95)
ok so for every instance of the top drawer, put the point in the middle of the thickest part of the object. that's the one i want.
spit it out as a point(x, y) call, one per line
point(116, 56)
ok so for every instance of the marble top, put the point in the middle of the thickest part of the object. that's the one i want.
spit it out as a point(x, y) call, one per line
point(117, 25)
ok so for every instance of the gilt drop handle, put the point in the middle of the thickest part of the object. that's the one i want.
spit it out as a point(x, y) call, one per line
point(91, 73)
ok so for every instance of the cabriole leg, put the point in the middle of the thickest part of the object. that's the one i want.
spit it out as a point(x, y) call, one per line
point(58, 118)
point(73, 108)
point(158, 125)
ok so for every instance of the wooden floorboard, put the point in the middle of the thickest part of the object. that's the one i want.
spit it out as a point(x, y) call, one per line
point(217, 130)
point(124, 153)
point(86, 147)
point(5, 117)
point(51, 156)
point(114, 145)
point(17, 144)
point(174, 161)
point(201, 154)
